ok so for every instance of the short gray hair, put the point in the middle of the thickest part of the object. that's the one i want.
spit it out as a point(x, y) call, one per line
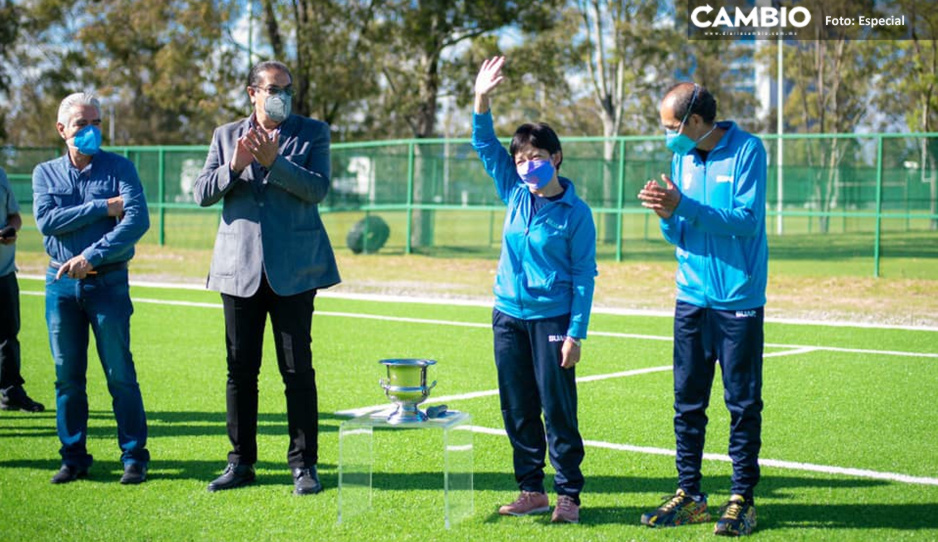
point(77, 99)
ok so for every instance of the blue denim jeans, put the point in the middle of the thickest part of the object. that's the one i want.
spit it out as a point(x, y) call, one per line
point(103, 304)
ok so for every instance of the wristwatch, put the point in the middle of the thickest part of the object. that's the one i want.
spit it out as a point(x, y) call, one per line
point(574, 340)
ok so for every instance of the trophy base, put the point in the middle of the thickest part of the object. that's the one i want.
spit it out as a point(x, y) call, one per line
point(406, 414)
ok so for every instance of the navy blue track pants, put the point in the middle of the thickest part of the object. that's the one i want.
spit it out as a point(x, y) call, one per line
point(734, 338)
point(531, 381)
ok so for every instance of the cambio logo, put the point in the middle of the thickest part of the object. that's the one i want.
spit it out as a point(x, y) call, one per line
point(762, 17)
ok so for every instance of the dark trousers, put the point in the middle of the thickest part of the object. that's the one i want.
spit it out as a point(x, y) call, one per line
point(531, 381)
point(9, 329)
point(735, 339)
point(292, 318)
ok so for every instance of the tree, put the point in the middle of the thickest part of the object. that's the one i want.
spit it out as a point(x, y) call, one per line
point(831, 77)
point(414, 37)
point(626, 51)
point(157, 65)
point(913, 73)
point(328, 44)
point(9, 30)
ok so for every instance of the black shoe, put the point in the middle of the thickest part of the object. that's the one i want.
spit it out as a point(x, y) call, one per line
point(69, 474)
point(134, 473)
point(234, 476)
point(306, 481)
point(16, 399)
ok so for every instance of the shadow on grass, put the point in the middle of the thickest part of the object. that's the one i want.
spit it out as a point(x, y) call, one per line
point(165, 424)
point(110, 471)
point(771, 514)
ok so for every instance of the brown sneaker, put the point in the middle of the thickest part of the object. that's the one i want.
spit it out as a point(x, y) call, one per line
point(528, 502)
point(566, 511)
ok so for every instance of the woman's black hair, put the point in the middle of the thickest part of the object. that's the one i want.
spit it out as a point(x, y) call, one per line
point(539, 135)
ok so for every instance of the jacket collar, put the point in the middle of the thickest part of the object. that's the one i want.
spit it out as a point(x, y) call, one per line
point(569, 192)
point(728, 136)
point(285, 127)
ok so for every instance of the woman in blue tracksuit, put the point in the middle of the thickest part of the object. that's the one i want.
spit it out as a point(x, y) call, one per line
point(543, 295)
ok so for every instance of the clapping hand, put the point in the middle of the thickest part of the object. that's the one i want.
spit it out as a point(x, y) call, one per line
point(256, 144)
point(662, 200)
point(264, 146)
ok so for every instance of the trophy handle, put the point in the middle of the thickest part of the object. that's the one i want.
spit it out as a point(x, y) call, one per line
point(431, 386)
point(384, 383)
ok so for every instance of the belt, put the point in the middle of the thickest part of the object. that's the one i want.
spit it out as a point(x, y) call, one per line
point(100, 270)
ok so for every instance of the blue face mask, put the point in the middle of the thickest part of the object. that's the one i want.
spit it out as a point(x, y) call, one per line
point(88, 140)
point(536, 173)
point(278, 106)
point(679, 143)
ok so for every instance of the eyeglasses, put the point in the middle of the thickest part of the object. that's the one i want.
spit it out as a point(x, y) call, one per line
point(273, 90)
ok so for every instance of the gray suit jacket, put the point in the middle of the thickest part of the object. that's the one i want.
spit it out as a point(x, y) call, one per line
point(270, 222)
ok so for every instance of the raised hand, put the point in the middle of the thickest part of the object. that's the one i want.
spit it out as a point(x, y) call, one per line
point(490, 75)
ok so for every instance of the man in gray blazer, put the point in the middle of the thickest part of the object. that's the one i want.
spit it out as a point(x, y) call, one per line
point(271, 255)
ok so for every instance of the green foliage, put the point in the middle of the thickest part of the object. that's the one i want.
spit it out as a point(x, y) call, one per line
point(169, 72)
point(156, 65)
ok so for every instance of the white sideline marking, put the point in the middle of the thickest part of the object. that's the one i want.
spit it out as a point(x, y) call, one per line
point(795, 349)
point(790, 465)
point(481, 326)
point(592, 378)
point(382, 298)
point(488, 393)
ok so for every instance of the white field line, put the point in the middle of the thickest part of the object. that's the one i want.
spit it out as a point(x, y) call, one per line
point(796, 349)
point(592, 378)
point(382, 298)
point(790, 465)
point(481, 326)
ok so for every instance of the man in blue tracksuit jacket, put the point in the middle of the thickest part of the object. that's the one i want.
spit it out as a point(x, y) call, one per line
point(714, 212)
point(543, 296)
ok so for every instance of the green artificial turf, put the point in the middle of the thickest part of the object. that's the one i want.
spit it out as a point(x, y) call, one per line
point(867, 408)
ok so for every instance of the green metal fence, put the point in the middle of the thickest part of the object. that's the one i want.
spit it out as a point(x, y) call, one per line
point(437, 199)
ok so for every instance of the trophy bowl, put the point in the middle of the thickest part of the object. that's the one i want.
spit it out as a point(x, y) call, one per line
point(406, 387)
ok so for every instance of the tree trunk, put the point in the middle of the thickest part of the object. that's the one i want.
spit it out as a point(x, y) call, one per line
point(424, 127)
point(610, 186)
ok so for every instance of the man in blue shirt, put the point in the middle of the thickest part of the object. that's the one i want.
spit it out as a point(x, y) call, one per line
point(90, 208)
point(714, 212)
point(12, 394)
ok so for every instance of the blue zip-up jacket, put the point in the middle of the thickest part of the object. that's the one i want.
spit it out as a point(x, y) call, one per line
point(548, 260)
point(719, 224)
point(70, 207)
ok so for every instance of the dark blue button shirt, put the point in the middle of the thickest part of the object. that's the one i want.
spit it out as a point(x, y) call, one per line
point(70, 207)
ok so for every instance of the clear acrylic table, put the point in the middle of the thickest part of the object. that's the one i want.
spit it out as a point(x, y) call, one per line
point(357, 460)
